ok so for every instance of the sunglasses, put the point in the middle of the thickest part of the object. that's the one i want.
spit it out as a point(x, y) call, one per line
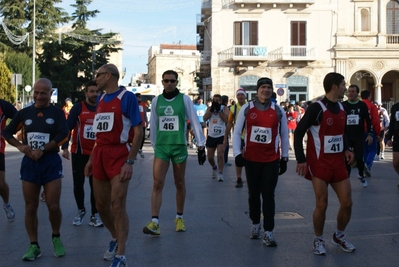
point(100, 73)
point(169, 81)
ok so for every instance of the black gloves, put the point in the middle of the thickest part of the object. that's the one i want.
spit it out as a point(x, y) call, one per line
point(283, 166)
point(201, 156)
point(239, 160)
point(215, 107)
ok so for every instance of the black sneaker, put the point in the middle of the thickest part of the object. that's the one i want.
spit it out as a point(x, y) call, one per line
point(239, 183)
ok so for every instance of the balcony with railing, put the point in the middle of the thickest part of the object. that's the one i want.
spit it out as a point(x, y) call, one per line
point(271, 2)
point(392, 38)
point(206, 5)
point(244, 53)
point(293, 53)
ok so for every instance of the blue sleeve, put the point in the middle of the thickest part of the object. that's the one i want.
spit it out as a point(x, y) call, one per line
point(130, 108)
point(8, 109)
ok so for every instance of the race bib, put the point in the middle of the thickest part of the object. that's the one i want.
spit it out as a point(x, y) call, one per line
point(352, 119)
point(141, 109)
point(333, 144)
point(88, 132)
point(168, 123)
point(37, 139)
point(200, 113)
point(103, 122)
point(216, 129)
point(261, 135)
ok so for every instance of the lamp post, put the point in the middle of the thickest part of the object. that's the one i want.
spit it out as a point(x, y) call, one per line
point(34, 43)
point(28, 88)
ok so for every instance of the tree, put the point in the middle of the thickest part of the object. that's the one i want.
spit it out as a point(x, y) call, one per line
point(21, 63)
point(69, 65)
point(6, 88)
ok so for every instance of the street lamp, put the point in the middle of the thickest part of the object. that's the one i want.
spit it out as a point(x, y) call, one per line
point(28, 88)
point(34, 43)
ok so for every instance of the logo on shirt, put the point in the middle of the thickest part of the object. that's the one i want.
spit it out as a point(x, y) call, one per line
point(103, 117)
point(330, 121)
point(169, 110)
point(253, 115)
point(28, 122)
point(49, 121)
point(166, 119)
point(37, 137)
point(335, 139)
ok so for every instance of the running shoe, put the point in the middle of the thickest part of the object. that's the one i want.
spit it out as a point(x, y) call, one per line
point(363, 181)
point(32, 254)
point(343, 243)
point(319, 247)
point(10, 214)
point(95, 221)
point(227, 164)
point(59, 250)
point(220, 177)
point(367, 171)
point(118, 262)
point(79, 217)
point(382, 155)
point(239, 183)
point(152, 228)
point(141, 153)
point(269, 240)
point(180, 225)
point(214, 172)
point(256, 231)
point(109, 255)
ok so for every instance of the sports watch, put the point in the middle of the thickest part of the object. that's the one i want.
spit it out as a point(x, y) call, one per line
point(129, 161)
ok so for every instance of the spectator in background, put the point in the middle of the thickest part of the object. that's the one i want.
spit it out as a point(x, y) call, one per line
point(384, 123)
point(225, 99)
point(370, 150)
point(200, 109)
point(291, 123)
point(144, 121)
point(67, 107)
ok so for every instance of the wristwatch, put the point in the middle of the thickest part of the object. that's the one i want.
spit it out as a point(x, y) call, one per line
point(42, 148)
point(129, 161)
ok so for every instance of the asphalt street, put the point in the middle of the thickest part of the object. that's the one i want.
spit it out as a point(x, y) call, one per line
point(218, 228)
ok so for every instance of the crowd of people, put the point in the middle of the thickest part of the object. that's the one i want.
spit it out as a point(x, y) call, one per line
point(103, 134)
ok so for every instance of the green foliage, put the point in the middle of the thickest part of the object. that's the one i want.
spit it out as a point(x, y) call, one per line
point(6, 88)
point(68, 64)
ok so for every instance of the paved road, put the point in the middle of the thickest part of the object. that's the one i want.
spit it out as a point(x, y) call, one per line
point(217, 227)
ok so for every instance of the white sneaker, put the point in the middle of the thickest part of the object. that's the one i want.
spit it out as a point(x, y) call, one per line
point(78, 220)
point(382, 156)
point(220, 177)
point(363, 181)
point(95, 221)
point(319, 247)
point(10, 214)
point(255, 231)
point(214, 172)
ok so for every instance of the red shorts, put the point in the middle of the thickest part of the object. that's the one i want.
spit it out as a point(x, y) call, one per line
point(108, 161)
point(327, 175)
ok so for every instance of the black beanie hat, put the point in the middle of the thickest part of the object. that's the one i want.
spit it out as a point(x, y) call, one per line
point(262, 81)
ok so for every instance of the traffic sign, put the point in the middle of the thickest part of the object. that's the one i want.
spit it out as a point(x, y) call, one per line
point(280, 91)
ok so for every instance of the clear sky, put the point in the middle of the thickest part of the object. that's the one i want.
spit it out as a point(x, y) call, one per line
point(143, 23)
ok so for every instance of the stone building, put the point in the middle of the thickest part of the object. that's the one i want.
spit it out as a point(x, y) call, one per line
point(296, 43)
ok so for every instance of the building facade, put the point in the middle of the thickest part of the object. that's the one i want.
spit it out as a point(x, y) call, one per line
point(184, 59)
point(296, 43)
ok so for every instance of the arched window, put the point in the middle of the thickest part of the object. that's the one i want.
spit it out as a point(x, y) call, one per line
point(365, 20)
point(393, 17)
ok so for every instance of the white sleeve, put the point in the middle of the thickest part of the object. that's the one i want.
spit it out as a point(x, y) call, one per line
point(153, 121)
point(238, 126)
point(195, 124)
point(283, 133)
